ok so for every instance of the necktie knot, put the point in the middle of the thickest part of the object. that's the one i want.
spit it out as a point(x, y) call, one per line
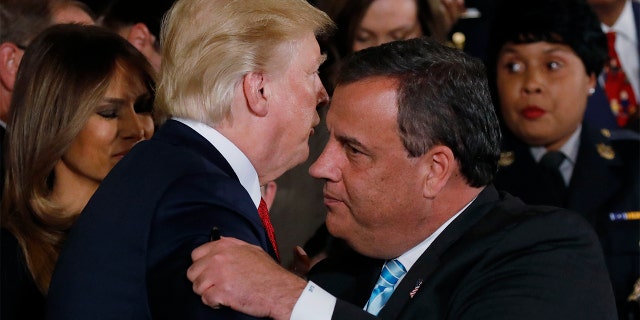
point(611, 38)
point(392, 271)
point(552, 160)
point(556, 185)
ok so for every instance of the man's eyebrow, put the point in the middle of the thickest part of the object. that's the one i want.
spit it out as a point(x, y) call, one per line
point(351, 141)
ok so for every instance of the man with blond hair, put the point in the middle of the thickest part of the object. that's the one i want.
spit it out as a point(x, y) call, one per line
point(239, 79)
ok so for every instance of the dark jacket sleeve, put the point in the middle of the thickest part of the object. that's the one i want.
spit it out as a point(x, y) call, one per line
point(182, 223)
point(549, 266)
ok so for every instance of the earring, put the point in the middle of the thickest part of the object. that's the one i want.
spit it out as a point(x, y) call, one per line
point(592, 91)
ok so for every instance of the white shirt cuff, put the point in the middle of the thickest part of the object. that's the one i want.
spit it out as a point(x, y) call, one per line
point(314, 304)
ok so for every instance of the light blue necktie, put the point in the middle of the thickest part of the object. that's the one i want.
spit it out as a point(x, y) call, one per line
point(392, 271)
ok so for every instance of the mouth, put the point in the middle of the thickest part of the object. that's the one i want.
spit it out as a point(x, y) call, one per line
point(121, 154)
point(533, 112)
point(330, 199)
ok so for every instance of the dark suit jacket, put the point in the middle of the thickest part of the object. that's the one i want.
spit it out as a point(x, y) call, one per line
point(128, 253)
point(499, 259)
point(605, 179)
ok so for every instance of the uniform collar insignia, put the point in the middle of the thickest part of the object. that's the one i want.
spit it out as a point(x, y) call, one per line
point(506, 159)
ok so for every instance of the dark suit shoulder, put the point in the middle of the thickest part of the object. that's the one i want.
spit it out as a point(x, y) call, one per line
point(139, 228)
point(512, 261)
point(542, 259)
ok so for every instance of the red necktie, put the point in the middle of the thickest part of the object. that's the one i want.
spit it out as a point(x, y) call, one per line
point(263, 211)
point(621, 96)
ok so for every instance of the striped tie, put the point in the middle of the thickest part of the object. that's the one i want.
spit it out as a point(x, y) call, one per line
point(392, 271)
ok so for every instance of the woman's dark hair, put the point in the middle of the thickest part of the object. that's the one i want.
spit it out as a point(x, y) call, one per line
point(570, 22)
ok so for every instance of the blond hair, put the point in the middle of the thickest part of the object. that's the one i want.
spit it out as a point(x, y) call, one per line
point(209, 45)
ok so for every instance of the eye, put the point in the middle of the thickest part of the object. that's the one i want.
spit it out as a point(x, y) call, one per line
point(403, 35)
point(362, 38)
point(554, 65)
point(108, 113)
point(351, 149)
point(514, 67)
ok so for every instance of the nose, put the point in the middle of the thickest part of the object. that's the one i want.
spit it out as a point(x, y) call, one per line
point(133, 126)
point(325, 166)
point(532, 82)
point(323, 96)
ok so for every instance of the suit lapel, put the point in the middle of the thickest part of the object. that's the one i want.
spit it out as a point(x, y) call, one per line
point(367, 282)
point(424, 267)
point(177, 133)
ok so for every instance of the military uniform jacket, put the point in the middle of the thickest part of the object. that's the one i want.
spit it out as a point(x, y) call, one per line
point(605, 180)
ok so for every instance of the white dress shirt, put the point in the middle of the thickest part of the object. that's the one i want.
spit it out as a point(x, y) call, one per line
point(627, 46)
point(237, 160)
point(570, 151)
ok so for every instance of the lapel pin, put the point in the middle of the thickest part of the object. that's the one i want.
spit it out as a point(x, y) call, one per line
point(415, 289)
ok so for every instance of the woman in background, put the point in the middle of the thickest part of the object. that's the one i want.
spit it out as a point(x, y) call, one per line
point(83, 98)
point(544, 60)
point(365, 23)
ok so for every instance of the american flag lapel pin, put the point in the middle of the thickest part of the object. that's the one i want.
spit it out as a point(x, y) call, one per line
point(415, 289)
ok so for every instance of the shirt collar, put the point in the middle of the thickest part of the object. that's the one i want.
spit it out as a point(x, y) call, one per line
point(569, 149)
point(625, 24)
point(238, 161)
point(409, 258)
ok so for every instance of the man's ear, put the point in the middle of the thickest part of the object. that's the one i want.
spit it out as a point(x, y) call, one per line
point(440, 164)
point(140, 37)
point(10, 57)
point(253, 88)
